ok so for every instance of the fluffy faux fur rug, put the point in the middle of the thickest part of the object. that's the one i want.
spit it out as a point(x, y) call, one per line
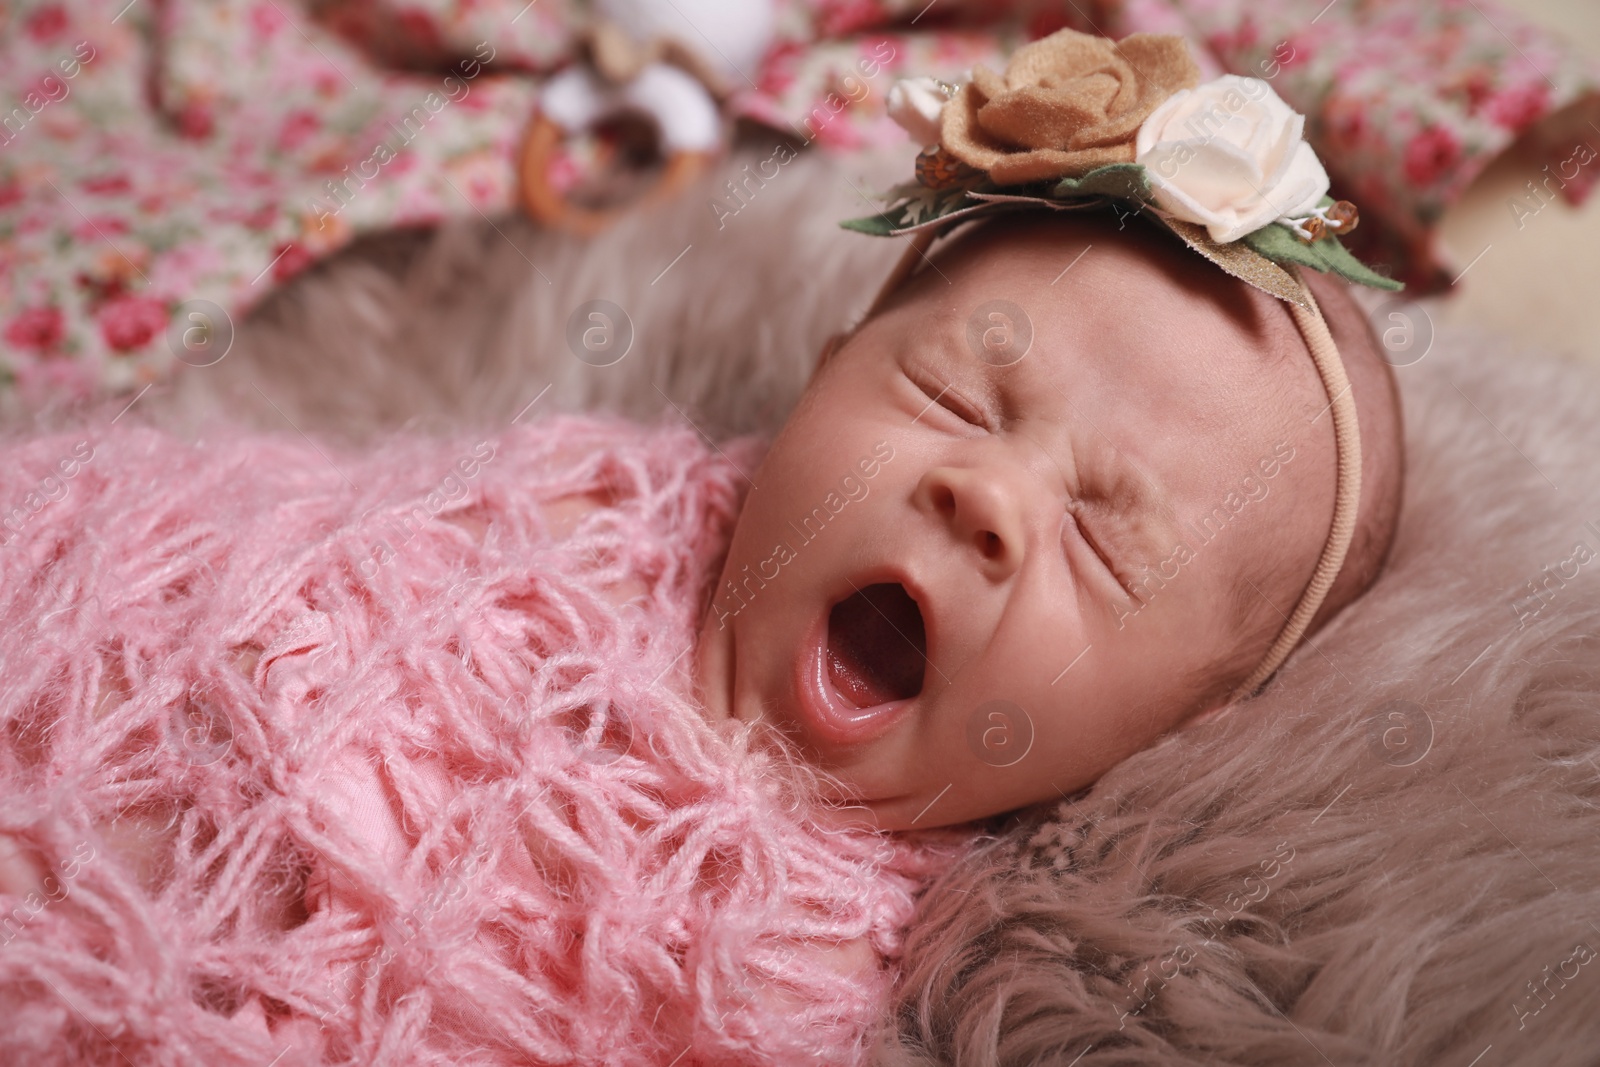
point(1389, 858)
point(719, 304)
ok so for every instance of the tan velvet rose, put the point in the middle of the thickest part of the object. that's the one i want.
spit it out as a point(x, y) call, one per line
point(1067, 103)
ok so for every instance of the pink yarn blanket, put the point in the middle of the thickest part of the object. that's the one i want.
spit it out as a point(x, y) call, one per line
point(385, 688)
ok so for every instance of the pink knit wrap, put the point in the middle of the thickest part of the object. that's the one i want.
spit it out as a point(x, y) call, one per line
point(515, 839)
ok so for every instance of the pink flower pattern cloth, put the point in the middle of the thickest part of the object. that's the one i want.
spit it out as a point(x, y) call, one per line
point(164, 163)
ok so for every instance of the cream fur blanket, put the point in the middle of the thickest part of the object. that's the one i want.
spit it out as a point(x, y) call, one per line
point(1392, 857)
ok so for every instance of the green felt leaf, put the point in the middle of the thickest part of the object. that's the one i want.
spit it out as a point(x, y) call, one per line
point(876, 225)
point(1341, 262)
point(1278, 243)
point(1125, 181)
point(912, 206)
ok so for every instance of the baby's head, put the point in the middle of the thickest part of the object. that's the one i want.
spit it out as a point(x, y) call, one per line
point(977, 569)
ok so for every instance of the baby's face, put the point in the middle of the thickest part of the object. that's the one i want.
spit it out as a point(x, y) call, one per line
point(968, 579)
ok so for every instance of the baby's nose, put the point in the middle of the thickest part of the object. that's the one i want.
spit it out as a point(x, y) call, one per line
point(982, 508)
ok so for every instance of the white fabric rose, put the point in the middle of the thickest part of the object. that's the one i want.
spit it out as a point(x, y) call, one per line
point(915, 104)
point(1228, 155)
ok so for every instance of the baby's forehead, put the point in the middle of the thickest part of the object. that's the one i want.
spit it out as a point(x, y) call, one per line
point(1092, 320)
point(1176, 388)
point(1091, 276)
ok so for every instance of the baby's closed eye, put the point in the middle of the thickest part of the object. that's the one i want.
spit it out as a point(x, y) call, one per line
point(1077, 523)
point(946, 395)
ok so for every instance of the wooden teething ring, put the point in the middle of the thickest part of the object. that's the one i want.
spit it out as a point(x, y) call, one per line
point(546, 205)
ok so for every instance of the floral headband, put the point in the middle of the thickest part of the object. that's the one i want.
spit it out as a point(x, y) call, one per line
point(1079, 121)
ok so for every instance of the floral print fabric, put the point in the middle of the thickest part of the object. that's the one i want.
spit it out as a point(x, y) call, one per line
point(164, 163)
point(139, 217)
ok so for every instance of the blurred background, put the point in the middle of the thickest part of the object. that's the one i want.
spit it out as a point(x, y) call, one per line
point(356, 215)
point(1538, 281)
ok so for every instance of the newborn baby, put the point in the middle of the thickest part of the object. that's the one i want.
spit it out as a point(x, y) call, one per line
point(964, 584)
point(966, 577)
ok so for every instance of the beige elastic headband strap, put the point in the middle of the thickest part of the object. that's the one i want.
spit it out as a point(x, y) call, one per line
point(1347, 487)
point(1346, 439)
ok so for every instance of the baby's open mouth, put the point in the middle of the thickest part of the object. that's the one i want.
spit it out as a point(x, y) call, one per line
point(877, 647)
